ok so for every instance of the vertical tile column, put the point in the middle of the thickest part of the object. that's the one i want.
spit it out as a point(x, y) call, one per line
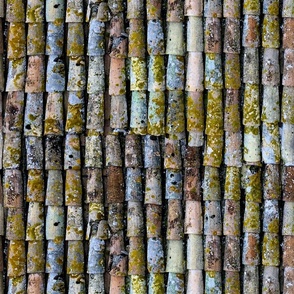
point(251, 150)
point(138, 67)
point(97, 228)
point(135, 214)
point(214, 130)
point(74, 127)
point(287, 150)
point(115, 194)
point(194, 74)
point(152, 152)
point(54, 134)
point(33, 131)
point(156, 69)
point(233, 144)
point(271, 154)
point(153, 204)
point(133, 148)
point(138, 125)
point(12, 149)
point(175, 135)
point(117, 48)
point(193, 226)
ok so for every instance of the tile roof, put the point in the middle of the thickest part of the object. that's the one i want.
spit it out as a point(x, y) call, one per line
point(147, 147)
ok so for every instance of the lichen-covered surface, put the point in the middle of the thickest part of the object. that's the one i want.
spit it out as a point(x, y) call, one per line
point(147, 146)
